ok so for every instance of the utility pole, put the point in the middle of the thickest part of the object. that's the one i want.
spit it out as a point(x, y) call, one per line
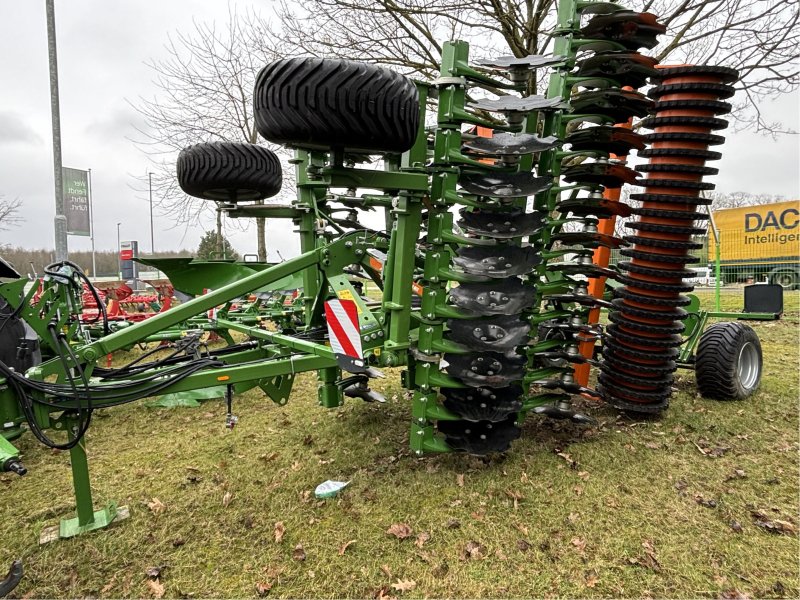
point(91, 225)
point(60, 223)
point(150, 184)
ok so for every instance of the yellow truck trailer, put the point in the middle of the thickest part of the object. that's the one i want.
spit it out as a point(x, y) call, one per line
point(758, 243)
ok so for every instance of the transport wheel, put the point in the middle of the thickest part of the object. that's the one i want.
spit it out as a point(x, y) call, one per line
point(787, 279)
point(229, 172)
point(729, 361)
point(324, 103)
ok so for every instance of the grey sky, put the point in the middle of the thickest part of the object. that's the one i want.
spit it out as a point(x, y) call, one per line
point(102, 48)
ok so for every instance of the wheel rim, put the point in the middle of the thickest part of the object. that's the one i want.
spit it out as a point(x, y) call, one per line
point(748, 366)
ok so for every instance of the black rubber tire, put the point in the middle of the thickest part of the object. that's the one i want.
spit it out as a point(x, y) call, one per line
point(331, 103)
point(229, 172)
point(717, 362)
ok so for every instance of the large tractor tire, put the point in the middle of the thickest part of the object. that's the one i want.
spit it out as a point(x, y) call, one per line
point(729, 361)
point(324, 103)
point(229, 172)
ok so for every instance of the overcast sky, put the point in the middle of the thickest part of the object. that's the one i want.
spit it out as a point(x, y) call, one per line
point(102, 49)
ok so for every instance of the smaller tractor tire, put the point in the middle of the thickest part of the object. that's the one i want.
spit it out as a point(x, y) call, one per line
point(229, 172)
point(729, 361)
point(787, 278)
point(331, 103)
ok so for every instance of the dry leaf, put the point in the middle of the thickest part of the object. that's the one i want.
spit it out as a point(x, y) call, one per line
point(473, 549)
point(299, 553)
point(156, 588)
point(591, 581)
point(460, 480)
point(386, 570)
point(422, 538)
point(154, 572)
point(404, 585)
point(226, 499)
point(573, 464)
point(400, 530)
point(156, 506)
point(523, 545)
point(500, 554)
point(279, 531)
point(515, 496)
point(263, 588)
point(579, 543)
point(453, 524)
point(345, 546)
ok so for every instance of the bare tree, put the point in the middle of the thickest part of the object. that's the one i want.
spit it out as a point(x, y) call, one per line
point(9, 213)
point(205, 90)
point(761, 38)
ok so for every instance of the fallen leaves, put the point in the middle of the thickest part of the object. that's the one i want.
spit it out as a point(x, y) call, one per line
point(226, 499)
point(707, 502)
point(404, 585)
point(156, 506)
point(156, 588)
point(400, 530)
point(453, 524)
point(648, 560)
point(299, 553)
point(777, 526)
point(460, 480)
point(345, 546)
point(515, 496)
point(473, 550)
point(580, 545)
point(421, 539)
point(263, 588)
point(280, 530)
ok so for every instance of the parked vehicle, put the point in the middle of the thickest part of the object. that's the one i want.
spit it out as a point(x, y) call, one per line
point(759, 244)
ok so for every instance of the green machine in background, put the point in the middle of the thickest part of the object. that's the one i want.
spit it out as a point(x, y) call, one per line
point(490, 224)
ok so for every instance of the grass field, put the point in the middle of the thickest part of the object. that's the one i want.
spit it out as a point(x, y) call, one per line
point(701, 503)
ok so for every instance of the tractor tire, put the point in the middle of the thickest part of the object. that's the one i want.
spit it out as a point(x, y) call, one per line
point(786, 278)
point(229, 172)
point(329, 103)
point(729, 361)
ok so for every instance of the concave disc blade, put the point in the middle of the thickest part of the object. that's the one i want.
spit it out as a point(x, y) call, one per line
point(517, 104)
point(504, 185)
point(501, 225)
point(480, 438)
point(510, 144)
point(500, 333)
point(507, 297)
point(496, 261)
point(589, 238)
point(488, 368)
point(483, 403)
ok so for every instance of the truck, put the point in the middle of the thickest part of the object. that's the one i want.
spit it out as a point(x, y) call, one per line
point(757, 244)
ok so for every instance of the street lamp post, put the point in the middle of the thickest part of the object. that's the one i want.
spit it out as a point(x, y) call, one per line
point(119, 251)
point(152, 238)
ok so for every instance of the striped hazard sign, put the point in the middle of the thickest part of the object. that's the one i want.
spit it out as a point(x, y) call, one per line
point(344, 333)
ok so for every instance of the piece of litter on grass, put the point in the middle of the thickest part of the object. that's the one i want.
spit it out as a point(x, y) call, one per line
point(328, 489)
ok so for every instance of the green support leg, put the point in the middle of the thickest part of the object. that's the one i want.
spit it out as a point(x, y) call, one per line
point(88, 519)
point(330, 396)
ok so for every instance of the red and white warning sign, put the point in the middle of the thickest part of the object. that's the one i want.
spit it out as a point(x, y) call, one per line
point(343, 330)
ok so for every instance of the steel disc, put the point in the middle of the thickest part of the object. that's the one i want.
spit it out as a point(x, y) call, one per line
point(479, 369)
point(500, 333)
point(480, 438)
point(510, 144)
point(496, 261)
point(501, 225)
point(483, 403)
point(507, 297)
point(504, 185)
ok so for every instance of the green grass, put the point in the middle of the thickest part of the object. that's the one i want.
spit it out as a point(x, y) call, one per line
point(605, 511)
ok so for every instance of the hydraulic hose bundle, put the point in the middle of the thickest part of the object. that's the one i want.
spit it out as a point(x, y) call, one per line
point(642, 342)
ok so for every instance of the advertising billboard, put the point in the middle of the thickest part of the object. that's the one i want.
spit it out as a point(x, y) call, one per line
point(76, 201)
